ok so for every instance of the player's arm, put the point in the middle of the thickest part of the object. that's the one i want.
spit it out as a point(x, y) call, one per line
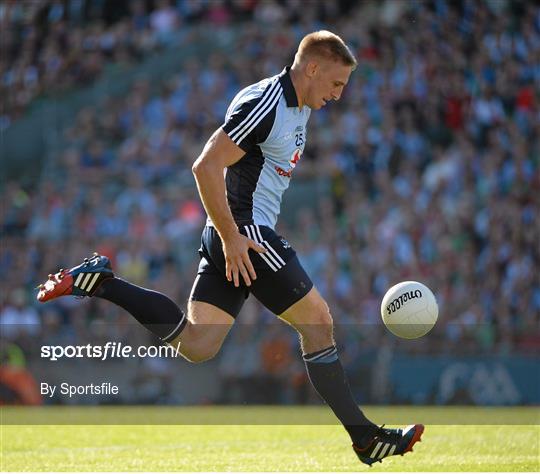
point(220, 152)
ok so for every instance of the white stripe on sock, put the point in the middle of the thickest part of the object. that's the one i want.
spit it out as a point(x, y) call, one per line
point(322, 354)
point(177, 326)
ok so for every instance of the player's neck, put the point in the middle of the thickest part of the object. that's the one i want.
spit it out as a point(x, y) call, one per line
point(297, 83)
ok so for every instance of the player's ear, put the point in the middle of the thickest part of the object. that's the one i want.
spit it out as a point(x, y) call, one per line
point(311, 68)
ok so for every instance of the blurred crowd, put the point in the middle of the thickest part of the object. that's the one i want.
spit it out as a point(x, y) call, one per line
point(53, 46)
point(432, 159)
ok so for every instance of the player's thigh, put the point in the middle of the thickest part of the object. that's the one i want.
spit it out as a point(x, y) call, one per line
point(208, 322)
point(211, 285)
point(310, 311)
point(281, 279)
point(311, 317)
point(213, 306)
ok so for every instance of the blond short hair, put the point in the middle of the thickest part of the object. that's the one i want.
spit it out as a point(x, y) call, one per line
point(325, 44)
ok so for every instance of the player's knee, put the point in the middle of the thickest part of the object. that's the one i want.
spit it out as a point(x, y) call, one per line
point(198, 358)
point(197, 355)
point(201, 342)
point(322, 318)
point(319, 323)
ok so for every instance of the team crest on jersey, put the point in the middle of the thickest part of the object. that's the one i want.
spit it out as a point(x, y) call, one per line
point(297, 154)
point(295, 157)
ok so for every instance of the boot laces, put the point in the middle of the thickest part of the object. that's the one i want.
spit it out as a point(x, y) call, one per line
point(389, 435)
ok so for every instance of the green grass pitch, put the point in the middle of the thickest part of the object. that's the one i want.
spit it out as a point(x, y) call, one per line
point(220, 439)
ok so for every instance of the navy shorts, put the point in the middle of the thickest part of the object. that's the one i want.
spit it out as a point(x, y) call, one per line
point(281, 280)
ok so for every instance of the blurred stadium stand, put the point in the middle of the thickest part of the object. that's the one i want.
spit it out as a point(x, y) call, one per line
point(427, 169)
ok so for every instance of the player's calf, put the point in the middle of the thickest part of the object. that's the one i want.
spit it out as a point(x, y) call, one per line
point(311, 317)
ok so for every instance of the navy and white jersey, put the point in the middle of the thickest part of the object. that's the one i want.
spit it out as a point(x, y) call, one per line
point(265, 121)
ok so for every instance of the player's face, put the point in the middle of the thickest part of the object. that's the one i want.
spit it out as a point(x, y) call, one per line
point(327, 81)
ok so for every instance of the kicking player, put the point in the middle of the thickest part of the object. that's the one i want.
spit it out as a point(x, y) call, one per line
point(258, 146)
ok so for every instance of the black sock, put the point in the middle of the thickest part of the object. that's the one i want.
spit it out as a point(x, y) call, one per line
point(328, 378)
point(155, 311)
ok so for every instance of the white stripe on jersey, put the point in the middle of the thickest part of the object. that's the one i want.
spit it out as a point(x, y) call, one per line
point(260, 116)
point(267, 92)
point(241, 97)
point(241, 127)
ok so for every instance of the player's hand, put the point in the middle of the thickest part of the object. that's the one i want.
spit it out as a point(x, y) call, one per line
point(237, 261)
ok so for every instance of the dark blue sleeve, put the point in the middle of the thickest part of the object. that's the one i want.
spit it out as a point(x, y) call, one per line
point(250, 122)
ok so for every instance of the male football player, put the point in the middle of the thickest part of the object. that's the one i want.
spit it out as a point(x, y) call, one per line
point(258, 147)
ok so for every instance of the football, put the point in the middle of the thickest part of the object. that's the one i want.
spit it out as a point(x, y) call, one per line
point(409, 310)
